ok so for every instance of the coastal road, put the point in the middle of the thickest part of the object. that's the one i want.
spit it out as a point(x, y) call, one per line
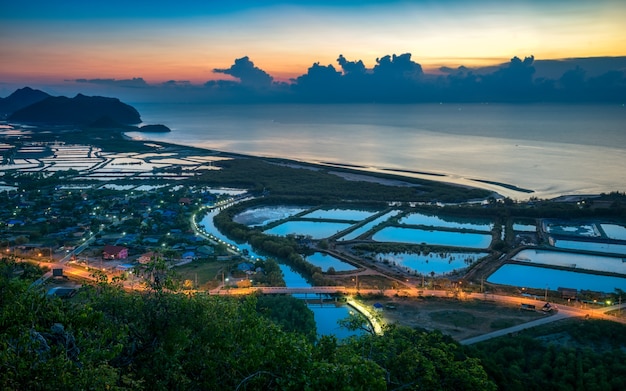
point(563, 313)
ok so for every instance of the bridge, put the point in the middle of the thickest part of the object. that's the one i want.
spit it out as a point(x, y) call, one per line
point(280, 290)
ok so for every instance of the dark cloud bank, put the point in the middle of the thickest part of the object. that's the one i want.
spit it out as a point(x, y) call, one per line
point(399, 79)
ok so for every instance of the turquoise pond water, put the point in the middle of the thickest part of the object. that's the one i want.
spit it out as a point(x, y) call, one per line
point(436, 263)
point(340, 214)
point(614, 231)
point(256, 217)
point(433, 237)
point(315, 229)
point(326, 261)
point(366, 227)
point(609, 248)
point(540, 278)
point(569, 259)
point(446, 222)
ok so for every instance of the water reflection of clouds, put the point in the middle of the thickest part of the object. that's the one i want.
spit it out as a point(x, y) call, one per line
point(541, 278)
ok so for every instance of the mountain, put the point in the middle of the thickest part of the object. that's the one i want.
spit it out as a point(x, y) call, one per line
point(79, 110)
point(19, 99)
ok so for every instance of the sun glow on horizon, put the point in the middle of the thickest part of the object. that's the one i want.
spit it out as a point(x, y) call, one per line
point(285, 40)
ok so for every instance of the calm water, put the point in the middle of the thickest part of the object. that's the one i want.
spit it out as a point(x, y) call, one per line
point(614, 231)
point(437, 221)
point(433, 262)
point(552, 149)
point(316, 229)
point(609, 248)
point(366, 227)
point(326, 261)
point(264, 215)
point(433, 237)
point(567, 259)
point(540, 278)
point(339, 214)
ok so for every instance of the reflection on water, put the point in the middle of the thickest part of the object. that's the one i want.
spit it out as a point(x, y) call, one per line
point(433, 237)
point(266, 214)
point(315, 229)
point(363, 229)
point(552, 279)
point(609, 248)
point(575, 260)
point(326, 317)
point(554, 149)
point(339, 214)
point(436, 263)
point(326, 261)
point(436, 221)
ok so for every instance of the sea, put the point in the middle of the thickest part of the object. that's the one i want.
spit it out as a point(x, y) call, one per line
point(517, 150)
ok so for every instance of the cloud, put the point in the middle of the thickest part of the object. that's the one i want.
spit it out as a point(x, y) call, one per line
point(394, 79)
point(136, 82)
point(176, 83)
point(247, 73)
point(397, 67)
point(351, 67)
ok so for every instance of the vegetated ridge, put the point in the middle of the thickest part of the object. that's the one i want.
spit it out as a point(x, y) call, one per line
point(79, 110)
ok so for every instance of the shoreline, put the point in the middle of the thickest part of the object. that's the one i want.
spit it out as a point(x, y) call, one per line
point(500, 189)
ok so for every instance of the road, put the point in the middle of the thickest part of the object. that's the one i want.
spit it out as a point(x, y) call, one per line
point(61, 264)
point(563, 313)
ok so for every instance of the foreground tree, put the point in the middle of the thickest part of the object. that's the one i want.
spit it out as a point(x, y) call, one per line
point(106, 338)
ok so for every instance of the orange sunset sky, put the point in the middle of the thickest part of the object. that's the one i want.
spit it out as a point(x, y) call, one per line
point(49, 42)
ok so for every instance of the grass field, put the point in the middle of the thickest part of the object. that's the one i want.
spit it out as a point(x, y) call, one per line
point(207, 274)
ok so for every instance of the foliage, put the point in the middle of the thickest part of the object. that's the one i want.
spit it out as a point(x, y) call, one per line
point(414, 359)
point(106, 338)
point(290, 313)
point(574, 356)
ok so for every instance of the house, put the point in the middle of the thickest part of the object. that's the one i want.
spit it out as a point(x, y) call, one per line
point(245, 267)
point(146, 257)
point(206, 250)
point(184, 201)
point(189, 256)
point(114, 252)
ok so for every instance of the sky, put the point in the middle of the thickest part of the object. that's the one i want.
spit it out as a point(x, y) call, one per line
point(44, 41)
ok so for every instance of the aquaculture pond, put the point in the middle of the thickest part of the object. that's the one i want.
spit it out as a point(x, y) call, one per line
point(314, 229)
point(366, 227)
point(541, 278)
point(432, 237)
point(575, 260)
point(520, 227)
point(257, 217)
point(609, 248)
point(446, 222)
point(614, 231)
point(339, 214)
point(326, 261)
point(583, 230)
point(437, 263)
